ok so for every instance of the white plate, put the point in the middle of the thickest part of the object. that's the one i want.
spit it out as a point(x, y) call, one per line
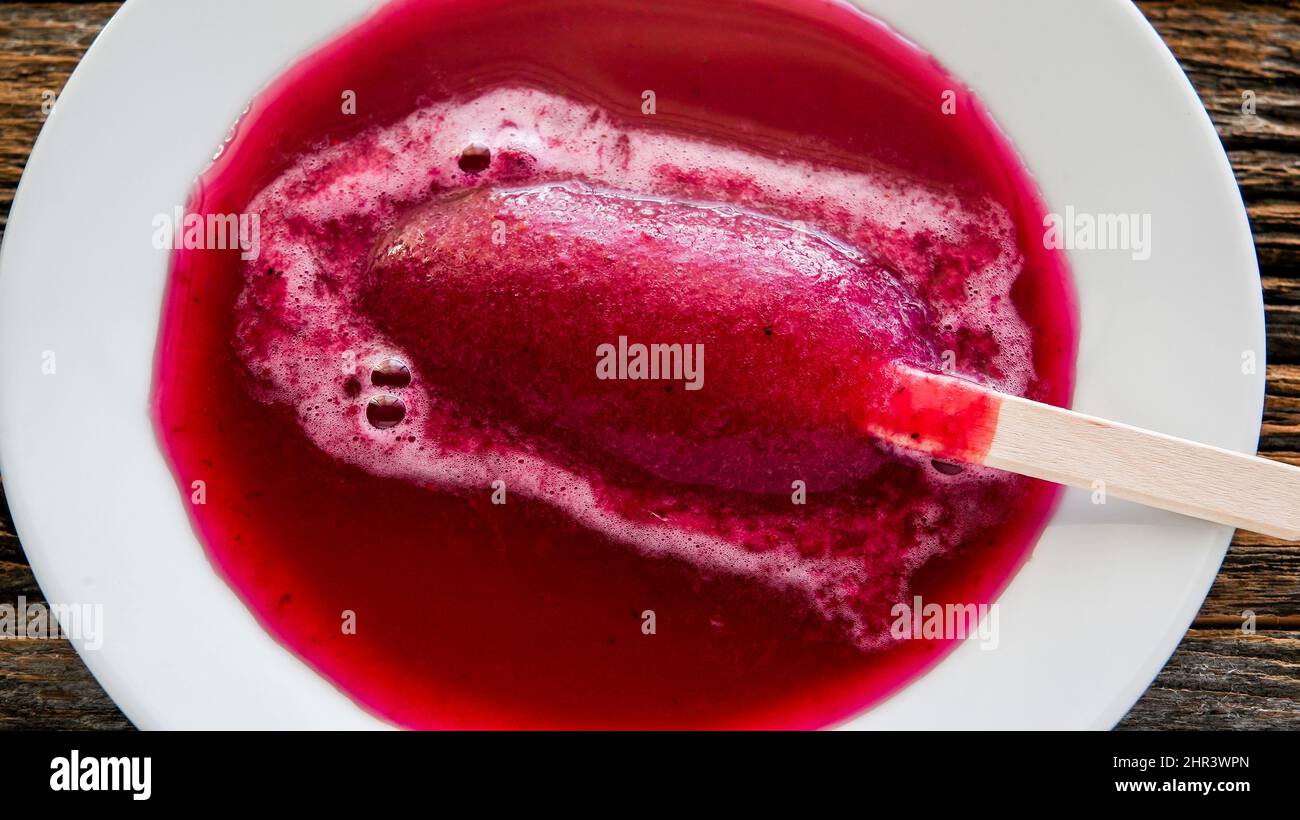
point(1088, 93)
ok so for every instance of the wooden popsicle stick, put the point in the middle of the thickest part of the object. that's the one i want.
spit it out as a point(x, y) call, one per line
point(1040, 440)
point(1150, 468)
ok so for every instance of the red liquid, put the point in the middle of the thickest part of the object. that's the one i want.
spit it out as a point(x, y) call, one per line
point(471, 614)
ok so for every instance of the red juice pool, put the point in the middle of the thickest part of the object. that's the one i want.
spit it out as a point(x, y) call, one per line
point(466, 210)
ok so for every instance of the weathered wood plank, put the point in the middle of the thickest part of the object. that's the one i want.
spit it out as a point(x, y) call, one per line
point(44, 685)
point(1222, 679)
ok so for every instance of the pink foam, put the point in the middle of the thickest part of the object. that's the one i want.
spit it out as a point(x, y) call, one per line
point(876, 516)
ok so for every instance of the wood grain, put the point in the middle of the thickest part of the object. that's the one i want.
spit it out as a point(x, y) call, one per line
point(1260, 495)
point(1222, 679)
point(1219, 678)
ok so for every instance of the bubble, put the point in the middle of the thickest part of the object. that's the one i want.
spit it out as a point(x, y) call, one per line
point(390, 373)
point(385, 412)
point(475, 158)
point(945, 468)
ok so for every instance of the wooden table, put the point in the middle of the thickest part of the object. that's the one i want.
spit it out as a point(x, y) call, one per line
point(1219, 678)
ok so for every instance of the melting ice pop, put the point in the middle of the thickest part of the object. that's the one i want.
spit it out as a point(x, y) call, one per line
point(793, 355)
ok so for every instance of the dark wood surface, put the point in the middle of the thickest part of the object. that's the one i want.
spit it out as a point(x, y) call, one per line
point(1220, 678)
